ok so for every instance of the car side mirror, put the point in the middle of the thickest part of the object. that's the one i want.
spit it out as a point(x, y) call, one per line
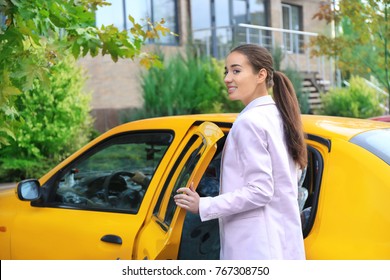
point(29, 190)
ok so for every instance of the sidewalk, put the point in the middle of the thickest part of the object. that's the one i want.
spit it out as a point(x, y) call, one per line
point(7, 185)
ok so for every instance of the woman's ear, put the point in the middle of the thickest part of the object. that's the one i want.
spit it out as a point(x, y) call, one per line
point(262, 76)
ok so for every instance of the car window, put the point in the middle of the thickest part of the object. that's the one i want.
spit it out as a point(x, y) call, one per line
point(114, 175)
point(179, 176)
point(182, 180)
point(200, 240)
point(312, 183)
point(375, 141)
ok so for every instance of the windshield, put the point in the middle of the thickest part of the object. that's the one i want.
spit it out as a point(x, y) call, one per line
point(375, 141)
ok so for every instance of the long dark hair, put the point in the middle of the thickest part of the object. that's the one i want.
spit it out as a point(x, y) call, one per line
point(285, 99)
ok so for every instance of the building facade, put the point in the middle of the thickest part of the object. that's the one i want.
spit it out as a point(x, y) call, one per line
point(213, 27)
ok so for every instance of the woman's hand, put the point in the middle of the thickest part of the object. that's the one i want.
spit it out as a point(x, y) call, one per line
point(140, 179)
point(188, 199)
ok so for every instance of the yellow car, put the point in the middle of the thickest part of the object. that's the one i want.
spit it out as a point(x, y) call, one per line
point(113, 199)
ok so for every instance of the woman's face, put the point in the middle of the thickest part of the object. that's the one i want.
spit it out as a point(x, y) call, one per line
point(242, 83)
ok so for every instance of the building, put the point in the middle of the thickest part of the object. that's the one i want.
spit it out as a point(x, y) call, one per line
point(214, 27)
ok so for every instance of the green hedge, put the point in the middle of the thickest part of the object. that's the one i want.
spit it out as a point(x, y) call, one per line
point(55, 122)
point(358, 100)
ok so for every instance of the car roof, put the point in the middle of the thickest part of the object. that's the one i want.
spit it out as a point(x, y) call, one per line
point(339, 127)
point(325, 126)
point(174, 122)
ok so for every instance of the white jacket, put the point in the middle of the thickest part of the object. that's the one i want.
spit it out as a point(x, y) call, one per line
point(257, 207)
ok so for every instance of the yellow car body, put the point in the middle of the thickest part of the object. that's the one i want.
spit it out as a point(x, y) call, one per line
point(90, 207)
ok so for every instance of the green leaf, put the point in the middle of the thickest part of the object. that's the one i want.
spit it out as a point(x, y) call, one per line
point(10, 90)
point(75, 50)
point(10, 112)
point(8, 132)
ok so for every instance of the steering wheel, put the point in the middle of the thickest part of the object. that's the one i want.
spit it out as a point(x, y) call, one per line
point(115, 183)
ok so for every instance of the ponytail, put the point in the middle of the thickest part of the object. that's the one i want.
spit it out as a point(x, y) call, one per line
point(287, 103)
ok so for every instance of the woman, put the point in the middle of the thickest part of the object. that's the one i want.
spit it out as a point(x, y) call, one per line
point(257, 206)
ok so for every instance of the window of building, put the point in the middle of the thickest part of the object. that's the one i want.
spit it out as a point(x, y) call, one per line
point(140, 10)
point(250, 11)
point(292, 20)
point(215, 24)
point(256, 14)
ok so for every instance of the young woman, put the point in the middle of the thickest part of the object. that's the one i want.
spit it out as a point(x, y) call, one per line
point(257, 206)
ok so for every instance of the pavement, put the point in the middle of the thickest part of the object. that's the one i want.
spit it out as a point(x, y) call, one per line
point(4, 186)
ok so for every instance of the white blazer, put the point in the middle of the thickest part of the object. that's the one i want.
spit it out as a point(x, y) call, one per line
point(257, 207)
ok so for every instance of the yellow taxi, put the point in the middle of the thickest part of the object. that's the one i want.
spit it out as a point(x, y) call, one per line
point(113, 199)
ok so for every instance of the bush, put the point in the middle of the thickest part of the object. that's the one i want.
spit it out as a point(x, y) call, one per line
point(358, 100)
point(185, 85)
point(55, 123)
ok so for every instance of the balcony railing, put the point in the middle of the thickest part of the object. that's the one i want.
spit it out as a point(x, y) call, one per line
point(294, 46)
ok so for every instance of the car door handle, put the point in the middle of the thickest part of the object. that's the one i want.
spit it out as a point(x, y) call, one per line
point(111, 238)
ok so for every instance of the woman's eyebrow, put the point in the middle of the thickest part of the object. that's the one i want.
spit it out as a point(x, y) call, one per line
point(235, 65)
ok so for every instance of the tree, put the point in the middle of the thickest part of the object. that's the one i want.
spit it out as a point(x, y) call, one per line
point(38, 34)
point(361, 45)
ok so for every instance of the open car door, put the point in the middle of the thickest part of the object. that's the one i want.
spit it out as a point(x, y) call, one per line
point(162, 234)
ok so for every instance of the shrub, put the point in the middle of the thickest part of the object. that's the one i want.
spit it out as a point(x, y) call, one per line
point(55, 123)
point(185, 85)
point(358, 100)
